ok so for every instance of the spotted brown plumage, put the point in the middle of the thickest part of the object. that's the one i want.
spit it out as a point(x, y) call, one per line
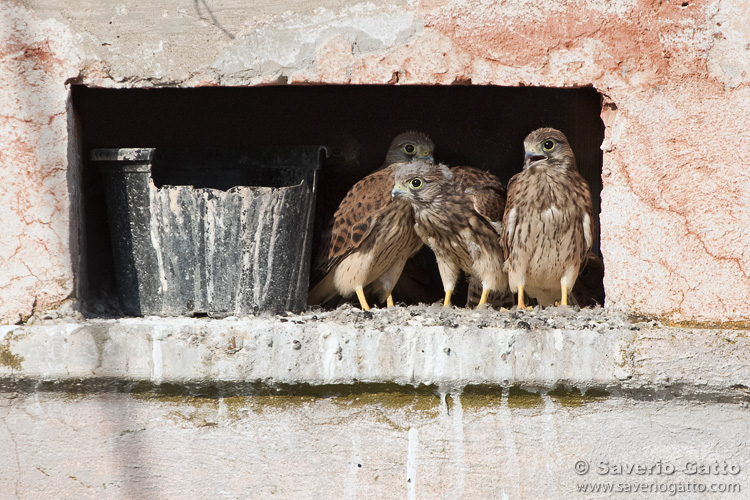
point(370, 236)
point(371, 239)
point(548, 225)
point(457, 213)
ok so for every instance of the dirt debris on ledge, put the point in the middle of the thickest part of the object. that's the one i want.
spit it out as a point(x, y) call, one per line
point(549, 318)
point(563, 318)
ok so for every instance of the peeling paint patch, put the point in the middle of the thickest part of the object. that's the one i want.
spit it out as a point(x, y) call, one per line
point(729, 54)
point(289, 45)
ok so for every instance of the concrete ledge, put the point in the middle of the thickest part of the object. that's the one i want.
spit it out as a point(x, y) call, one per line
point(404, 403)
point(405, 346)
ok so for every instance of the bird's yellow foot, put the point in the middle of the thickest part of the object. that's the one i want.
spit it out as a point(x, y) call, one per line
point(521, 304)
point(447, 301)
point(483, 299)
point(389, 299)
point(361, 297)
point(564, 295)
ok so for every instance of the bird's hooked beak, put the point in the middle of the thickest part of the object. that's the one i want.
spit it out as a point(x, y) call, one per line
point(533, 155)
point(399, 190)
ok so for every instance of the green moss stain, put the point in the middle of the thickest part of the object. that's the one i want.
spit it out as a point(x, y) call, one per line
point(422, 399)
point(481, 397)
point(8, 359)
point(380, 403)
point(213, 405)
point(574, 398)
point(210, 404)
point(716, 325)
point(667, 319)
point(477, 397)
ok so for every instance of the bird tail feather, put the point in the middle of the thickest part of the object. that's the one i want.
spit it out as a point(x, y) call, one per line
point(323, 292)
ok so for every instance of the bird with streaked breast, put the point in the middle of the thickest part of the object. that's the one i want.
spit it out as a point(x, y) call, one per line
point(548, 225)
point(371, 236)
point(457, 213)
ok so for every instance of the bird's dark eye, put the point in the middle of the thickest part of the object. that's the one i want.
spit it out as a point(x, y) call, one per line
point(548, 145)
point(409, 149)
point(416, 183)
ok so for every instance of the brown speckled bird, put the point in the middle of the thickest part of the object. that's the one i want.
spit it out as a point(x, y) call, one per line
point(548, 225)
point(370, 236)
point(457, 213)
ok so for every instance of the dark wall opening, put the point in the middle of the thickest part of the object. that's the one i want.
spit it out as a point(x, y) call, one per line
point(481, 126)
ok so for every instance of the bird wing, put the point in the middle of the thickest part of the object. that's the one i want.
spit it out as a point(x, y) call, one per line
point(509, 215)
point(581, 197)
point(589, 229)
point(355, 217)
point(485, 190)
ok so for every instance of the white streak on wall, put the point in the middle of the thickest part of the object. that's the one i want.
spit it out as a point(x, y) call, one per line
point(459, 453)
point(509, 451)
point(350, 488)
point(242, 283)
point(154, 225)
point(157, 364)
point(411, 464)
point(223, 413)
point(550, 442)
point(276, 212)
point(210, 244)
point(263, 209)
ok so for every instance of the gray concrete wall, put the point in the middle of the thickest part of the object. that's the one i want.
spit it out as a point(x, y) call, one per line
point(368, 446)
point(404, 403)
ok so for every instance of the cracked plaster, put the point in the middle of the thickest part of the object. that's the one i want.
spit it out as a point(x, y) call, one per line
point(675, 203)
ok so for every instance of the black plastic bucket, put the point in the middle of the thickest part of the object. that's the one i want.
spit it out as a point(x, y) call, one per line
point(211, 231)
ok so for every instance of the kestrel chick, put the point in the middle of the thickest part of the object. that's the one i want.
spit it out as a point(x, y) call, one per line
point(371, 238)
point(548, 225)
point(409, 146)
point(457, 213)
point(365, 229)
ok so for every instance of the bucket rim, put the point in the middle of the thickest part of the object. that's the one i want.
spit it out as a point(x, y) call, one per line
point(122, 154)
point(315, 154)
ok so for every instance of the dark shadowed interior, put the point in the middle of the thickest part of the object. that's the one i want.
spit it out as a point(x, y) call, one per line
point(481, 126)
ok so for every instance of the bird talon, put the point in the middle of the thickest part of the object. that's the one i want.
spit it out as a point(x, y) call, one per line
point(483, 299)
point(521, 304)
point(447, 301)
point(362, 300)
